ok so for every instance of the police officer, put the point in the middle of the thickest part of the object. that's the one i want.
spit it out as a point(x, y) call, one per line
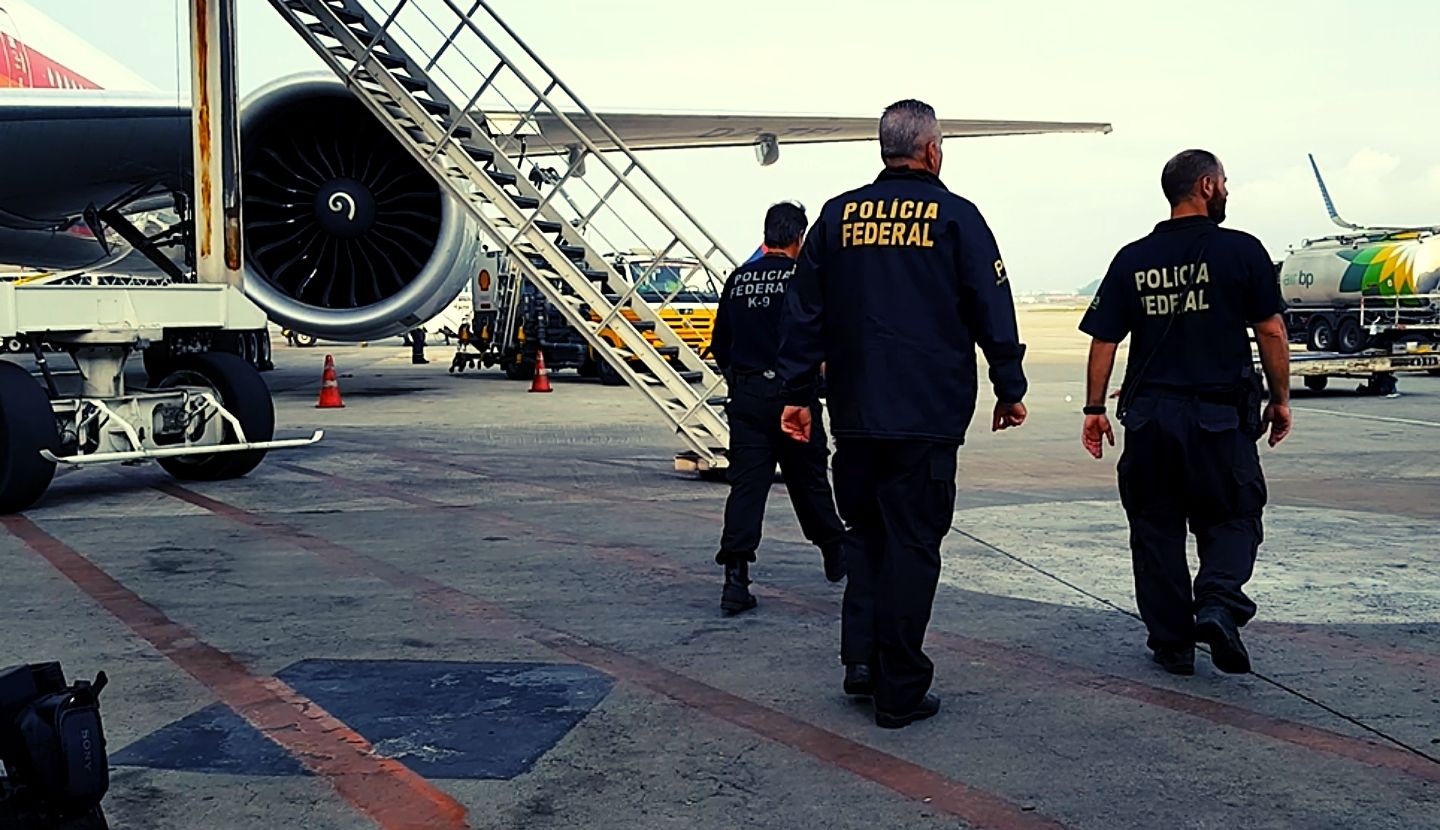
point(897, 283)
point(1186, 295)
point(744, 342)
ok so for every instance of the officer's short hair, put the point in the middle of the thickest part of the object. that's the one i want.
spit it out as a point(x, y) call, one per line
point(1182, 172)
point(785, 223)
point(906, 127)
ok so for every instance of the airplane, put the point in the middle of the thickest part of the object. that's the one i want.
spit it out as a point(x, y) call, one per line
point(90, 147)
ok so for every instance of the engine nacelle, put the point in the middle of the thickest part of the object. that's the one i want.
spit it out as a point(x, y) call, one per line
point(346, 236)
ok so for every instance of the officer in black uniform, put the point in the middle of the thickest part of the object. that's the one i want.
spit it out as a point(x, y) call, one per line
point(897, 283)
point(744, 342)
point(1190, 404)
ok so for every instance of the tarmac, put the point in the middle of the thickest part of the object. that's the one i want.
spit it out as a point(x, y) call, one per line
point(471, 606)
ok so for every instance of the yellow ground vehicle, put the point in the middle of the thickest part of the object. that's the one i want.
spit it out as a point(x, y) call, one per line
point(511, 320)
point(679, 289)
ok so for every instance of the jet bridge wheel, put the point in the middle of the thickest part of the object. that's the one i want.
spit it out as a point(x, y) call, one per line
point(241, 390)
point(27, 426)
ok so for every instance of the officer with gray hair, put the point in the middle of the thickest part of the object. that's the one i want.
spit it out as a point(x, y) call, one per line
point(897, 283)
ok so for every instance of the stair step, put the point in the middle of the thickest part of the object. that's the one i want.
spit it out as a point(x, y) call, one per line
point(345, 15)
point(409, 82)
point(546, 226)
point(501, 178)
point(433, 107)
point(387, 61)
point(526, 202)
point(479, 154)
point(320, 29)
point(574, 252)
point(667, 351)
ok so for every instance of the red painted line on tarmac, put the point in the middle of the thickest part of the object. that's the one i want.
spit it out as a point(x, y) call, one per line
point(967, 648)
point(975, 807)
point(1297, 635)
point(384, 790)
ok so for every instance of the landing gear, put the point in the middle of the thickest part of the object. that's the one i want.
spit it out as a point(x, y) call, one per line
point(27, 426)
point(242, 392)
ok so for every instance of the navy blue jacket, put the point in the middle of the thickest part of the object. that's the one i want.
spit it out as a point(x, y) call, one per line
point(897, 283)
point(747, 324)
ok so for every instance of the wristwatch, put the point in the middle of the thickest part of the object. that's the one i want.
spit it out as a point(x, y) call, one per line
point(1093, 410)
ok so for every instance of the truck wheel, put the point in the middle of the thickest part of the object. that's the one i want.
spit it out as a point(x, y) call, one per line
point(1316, 383)
point(305, 341)
point(609, 375)
point(589, 369)
point(1321, 336)
point(1350, 338)
point(524, 370)
point(27, 426)
point(242, 391)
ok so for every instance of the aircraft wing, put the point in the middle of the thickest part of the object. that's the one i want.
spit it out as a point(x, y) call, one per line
point(655, 131)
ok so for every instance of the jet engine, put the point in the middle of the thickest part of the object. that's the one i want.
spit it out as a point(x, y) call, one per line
point(346, 236)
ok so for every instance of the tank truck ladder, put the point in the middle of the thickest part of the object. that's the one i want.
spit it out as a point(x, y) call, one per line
point(552, 184)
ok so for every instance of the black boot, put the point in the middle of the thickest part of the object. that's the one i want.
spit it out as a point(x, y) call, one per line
point(1175, 660)
point(1216, 627)
point(735, 597)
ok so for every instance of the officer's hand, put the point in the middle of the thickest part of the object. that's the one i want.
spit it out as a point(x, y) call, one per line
point(1096, 427)
point(1008, 415)
point(795, 422)
point(1277, 417)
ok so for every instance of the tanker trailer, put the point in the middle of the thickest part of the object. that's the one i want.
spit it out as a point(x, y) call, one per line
point(1351, 293)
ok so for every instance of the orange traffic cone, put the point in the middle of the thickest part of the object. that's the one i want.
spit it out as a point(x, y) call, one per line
point(329, 387)
point(541, 383)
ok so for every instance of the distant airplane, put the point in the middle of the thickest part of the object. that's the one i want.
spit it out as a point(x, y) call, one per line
point(87, 143)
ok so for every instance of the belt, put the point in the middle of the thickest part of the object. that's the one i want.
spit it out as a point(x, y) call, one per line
point(754, 374)
point(1222, 396)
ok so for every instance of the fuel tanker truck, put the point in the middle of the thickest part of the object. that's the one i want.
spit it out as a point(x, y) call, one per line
point(1348, 294)
point(1365, 288)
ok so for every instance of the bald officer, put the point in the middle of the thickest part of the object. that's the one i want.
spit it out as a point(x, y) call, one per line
point(898, 282)
point(1187, 295)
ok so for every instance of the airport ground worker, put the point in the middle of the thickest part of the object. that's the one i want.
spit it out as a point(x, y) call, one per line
point(745, 339)
point(417, 346)
point(896, 284)
point(1190, 403)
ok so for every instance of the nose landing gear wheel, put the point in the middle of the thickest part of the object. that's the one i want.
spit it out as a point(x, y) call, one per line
point(242, 391)
point(27, 426)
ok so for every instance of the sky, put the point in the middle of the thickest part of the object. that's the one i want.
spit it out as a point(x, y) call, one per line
point(1258, 84)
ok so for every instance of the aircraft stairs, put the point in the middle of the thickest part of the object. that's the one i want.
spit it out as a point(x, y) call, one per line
point(466, 97)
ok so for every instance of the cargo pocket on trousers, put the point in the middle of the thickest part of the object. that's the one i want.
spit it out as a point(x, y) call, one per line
point(940, 491)
point(1137, 421)
point(1251, 493)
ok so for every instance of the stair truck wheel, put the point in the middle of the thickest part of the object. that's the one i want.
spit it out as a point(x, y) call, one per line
point(27, 426)
point(1316, 383)
point(609, 375)
point(241, 390)
point(521, 370)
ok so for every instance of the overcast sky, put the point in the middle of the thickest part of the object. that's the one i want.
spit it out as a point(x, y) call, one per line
point(1259, 84)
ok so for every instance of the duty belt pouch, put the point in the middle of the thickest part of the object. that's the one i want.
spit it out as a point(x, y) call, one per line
point(1250, 401)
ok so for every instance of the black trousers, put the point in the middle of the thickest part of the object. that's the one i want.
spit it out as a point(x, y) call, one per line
point(756, 446)
point(1186, 461)
point(898, 497)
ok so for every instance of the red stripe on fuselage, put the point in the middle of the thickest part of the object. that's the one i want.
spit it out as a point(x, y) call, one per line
point(22, 66)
